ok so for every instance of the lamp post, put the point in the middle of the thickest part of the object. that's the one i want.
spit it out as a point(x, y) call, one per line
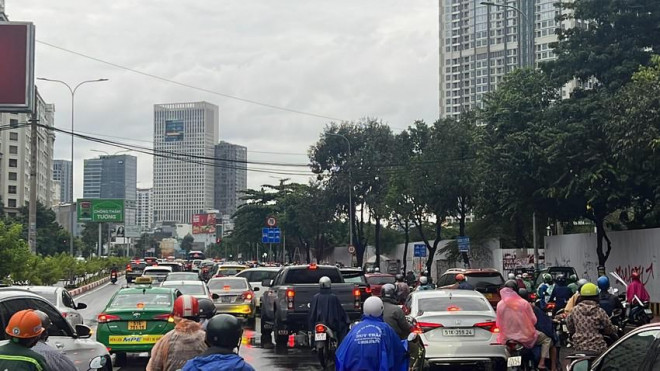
point(530, 53)
point(73, 95)
point(350, 192)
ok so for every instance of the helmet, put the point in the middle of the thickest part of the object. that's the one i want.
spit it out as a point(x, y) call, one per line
point(589, 289)
point(388, 291)
point(512, 284)
point(24, 324)
point(603, 283)
point(373, 307)
point(224, 330)
point(518, 276)
point(376, 269)
point(547, 278)
point(460, 277)
point(523, 294)
point(325, 282)
point(399, 277)
point(186, 306)
point(423, 280)
point(581, 283)
point(512, 276)
point(525, 275)
point(572, 278)
point(561, 280)
point(206, 308)
point(634, 275)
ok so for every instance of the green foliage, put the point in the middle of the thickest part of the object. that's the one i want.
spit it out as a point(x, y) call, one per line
point(187, 243)
point(51, 237)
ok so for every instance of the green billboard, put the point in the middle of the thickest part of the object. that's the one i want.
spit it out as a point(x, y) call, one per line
point(100, 210)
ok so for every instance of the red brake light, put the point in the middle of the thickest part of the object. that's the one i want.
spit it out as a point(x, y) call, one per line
point(368, 290)
point(104, 318)
point(550, 306)
point(425, 326)
point(453, 308)
point(290, 293)
point(313, 266)
point(165, 317)
point(320, 328)
point(489, 326)
point(247, 295)
point(356, 292)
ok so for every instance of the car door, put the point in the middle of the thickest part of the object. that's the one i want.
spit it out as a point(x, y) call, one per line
point(73, 316)
point(637, 352)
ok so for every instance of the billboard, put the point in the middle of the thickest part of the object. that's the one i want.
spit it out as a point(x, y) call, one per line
point(203, 224)
point(173, 130)
point(100, 210)
point(17, 67)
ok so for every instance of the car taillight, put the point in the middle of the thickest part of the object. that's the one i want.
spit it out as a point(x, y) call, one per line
point(320, 328)
point(488, 326)
point(357, 302)
point(422, 327)
point(165, 317)
point(312, 266)
point(248, 295)
point(104, 318)
point(290, 294)
point(368, 290)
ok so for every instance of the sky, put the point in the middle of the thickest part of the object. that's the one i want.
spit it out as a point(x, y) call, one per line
point(340, 59)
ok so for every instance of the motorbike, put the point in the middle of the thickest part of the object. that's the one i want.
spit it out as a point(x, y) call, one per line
point(520, 358)
point(416, 351)
point(561, 330)
point(640, 313)
point(113, 277)
point(325, 343)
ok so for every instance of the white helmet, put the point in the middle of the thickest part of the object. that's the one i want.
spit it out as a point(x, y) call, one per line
point(423, 280)
point(373, 307)
point(518, 276)
point(525, 275)
point(325, 282)
point(376, 269)
point(512, 276)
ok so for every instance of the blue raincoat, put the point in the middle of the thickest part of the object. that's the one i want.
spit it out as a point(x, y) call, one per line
point(371, 345)
point(217, 362)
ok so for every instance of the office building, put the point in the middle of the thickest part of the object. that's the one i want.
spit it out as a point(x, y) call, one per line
point(230, 177)
point(184, 177)
point(112, 176)
point(145, 209)
point(62, 174)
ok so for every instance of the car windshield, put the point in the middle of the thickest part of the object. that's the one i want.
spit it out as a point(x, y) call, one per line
point(451, 304)
point(307, 275)
point(138, 265)
point(227, 284)
point(380, 280)
point(156, 272)
point(140, 300)
point(183, 277)
point(354, 277)
point(188, 289)
point(485, 279)
point(227, 271)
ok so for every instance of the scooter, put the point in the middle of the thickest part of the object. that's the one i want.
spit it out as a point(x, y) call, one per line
point(520, 358)
point(640, 313)
point(325, 343)
point(113, 277)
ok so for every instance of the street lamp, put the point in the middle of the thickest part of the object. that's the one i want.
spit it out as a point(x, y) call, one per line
point(530, 53)
point(350, 191)
point(73, 95)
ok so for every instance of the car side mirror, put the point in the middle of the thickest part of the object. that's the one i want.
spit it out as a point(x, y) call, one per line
point(215, 296)
point(83, 331)
point(266, 283)
point(579, 365)
point(81, 306)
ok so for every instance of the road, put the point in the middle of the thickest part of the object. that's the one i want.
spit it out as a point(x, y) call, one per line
point(251, 350)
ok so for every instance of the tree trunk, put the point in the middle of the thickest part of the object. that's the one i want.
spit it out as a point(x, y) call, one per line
point(438, 237)
point(518, 225)
point(406, 232)
point(360, 241)
point(601, 234)
point(377, 240)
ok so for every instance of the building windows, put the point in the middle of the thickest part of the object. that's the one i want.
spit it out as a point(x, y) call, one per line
point(11, 202)
point(13, 162)
point(13, 150)
point(11, 190)
point(13, 176)
point(13, 136)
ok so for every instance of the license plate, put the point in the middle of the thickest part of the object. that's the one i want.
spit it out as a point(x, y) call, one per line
point(137, 325)
point(488, 296)
point(564, 328)
point(514, 361)
point(226, 299)
point(457, 332)
point(319, 336)
point(283, 332)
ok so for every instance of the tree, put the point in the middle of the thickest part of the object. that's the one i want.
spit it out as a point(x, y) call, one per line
point(187, 243)
point(90, 237)
point(51, 237)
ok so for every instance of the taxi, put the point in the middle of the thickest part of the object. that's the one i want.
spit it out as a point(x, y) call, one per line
point(135, 318)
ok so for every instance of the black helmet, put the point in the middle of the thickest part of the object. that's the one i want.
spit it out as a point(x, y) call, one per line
point(206, 308)
point(388, 291)
point(224, 330)
point(399, 277)
point(512, 284)
point(524, 294)
point(561, 280)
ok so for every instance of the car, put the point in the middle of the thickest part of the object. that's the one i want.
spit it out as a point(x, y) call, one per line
point(74, 341)
point(183, 276)
point(356, 276)
point(458, 328)
point(487, 281)
point(235, 296)
point(197, 288)
point(554, 272)
point(636, 350)
point(377, 280)
point(135, 318)
point(176, 266)
point(206, 269)
point(134, 269)
point(60, 298)
point(226, 270)
point(157, 273)
point(256, 276)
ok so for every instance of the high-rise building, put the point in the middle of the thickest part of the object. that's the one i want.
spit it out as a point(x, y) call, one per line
point(15, 160)
point(145, 208)
point(230, 176)
point(185, 135)
point(479, 44)
point(112, 176)
point(62, 174)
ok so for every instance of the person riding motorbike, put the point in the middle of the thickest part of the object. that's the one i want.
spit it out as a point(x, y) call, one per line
point(607, 301)
point(572, 283)
point(55, 359)
point(588, 322)
point(424, 284)
point(460, 284)
point(543, 324)
point(371, 344)
point(392, 314)
point(326, 308)
point(410, 278)
point(572, 302)
point(636, 288)
point(545, 290)
point(223, 336)
point(186, 341)
point(516, 320)
point(206, 311)
point(527, 280)
point(23, 330)
point(561, 293)
point(402, 289)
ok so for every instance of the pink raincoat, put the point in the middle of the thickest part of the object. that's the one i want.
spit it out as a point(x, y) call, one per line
point(515, 319)
point(636, 287)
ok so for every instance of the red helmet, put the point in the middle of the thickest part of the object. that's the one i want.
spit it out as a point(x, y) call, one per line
point(634, 275)
point(186, 306)
point(460, 277)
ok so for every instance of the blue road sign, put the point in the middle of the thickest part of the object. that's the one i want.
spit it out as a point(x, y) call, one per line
point(463, 244)
point(270, 235)
point(420, 250)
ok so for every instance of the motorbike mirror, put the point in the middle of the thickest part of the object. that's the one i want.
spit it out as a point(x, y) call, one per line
point(97, 362)
point(255, 289)
point(579, 365)
point(412, 336)
point(81, 306)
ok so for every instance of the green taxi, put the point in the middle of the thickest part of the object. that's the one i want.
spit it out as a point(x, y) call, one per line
point(135, 318)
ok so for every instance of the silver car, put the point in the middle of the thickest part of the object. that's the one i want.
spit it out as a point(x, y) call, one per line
point(157, 273)
point(73, 341)
point(459, 328)
point(234, 296)
point(256, 276)
point(197, 289)
point(60, 298)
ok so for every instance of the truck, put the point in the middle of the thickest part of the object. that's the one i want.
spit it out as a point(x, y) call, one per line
point(285, 304)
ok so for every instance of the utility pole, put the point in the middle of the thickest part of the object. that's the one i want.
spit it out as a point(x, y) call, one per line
point(100, 249)
point(32, 217)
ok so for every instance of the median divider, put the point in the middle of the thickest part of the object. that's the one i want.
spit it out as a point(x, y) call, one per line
point(90, 286)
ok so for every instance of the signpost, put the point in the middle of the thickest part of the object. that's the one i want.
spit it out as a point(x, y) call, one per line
point(270, 235)
point(463, 244)
point(351, 249)
point(419, 252)
point(100, 210)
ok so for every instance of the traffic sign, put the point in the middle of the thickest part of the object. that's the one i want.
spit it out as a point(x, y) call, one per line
point(463, 244)
point(270, 235)
point(271, 221)
point(351, 249)
point(420, 250)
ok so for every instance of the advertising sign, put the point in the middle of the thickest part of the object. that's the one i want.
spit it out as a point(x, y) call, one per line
point(133, 231)
point(203, 224)
point(16, 66)
point(100, 210)
point(174, 130)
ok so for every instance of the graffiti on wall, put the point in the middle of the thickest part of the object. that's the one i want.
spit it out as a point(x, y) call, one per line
point(645, 274)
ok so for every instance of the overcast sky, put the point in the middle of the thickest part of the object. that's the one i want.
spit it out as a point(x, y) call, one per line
point(345, 59)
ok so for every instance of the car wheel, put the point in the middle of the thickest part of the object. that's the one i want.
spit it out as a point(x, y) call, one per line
point(120, 359)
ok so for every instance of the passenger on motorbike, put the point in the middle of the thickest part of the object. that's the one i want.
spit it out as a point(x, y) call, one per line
point(588, 322)
point(402, 289)
point(572, 302)
point(572, 283)
point(392, 314)
point(424, 284)
point(516, 321)
point(326, 308)
point(561, 293)
point(607, 301)
point(543, 324)
point(410, 278)
point(527, 280)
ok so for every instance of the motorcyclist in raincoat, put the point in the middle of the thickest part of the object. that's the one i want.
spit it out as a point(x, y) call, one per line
point(326, 308)
point(561, 293)
point(636, 288)
point(371, 344)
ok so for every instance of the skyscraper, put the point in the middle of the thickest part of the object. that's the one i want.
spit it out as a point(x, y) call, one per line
point(230, 176)
point(62, 174)
point(112, 177)
point(145, 208)
point(184, 185)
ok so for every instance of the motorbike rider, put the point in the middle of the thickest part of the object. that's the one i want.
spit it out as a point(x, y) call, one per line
point(206, 311)
point(223, 336)
point(424, 284)
point(410, 278)
point(543, 324)
point(636, 288)
point(371, 344)
point(561, 293)
point(572, 302)
point(186, 341)
point(23, 330)
point(428, 276)
point(572, 283)
point(527, 280)
point(607, 301)
point(326, 308)
point(55, 359)
point(545, 289)
point(460, 284)
point(516, 321)
point(402, 289)
point(392, 314)
point(587, 323)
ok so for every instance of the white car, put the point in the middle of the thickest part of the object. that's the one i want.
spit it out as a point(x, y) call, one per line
point(458, 328)
point(256, 276)
point(60, 298)
point(197, 289)
point(157, 273)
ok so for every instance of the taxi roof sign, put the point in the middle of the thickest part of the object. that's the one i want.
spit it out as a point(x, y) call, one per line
point(142, 280)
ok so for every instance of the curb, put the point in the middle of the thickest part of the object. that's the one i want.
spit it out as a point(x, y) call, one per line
point(90, 286)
